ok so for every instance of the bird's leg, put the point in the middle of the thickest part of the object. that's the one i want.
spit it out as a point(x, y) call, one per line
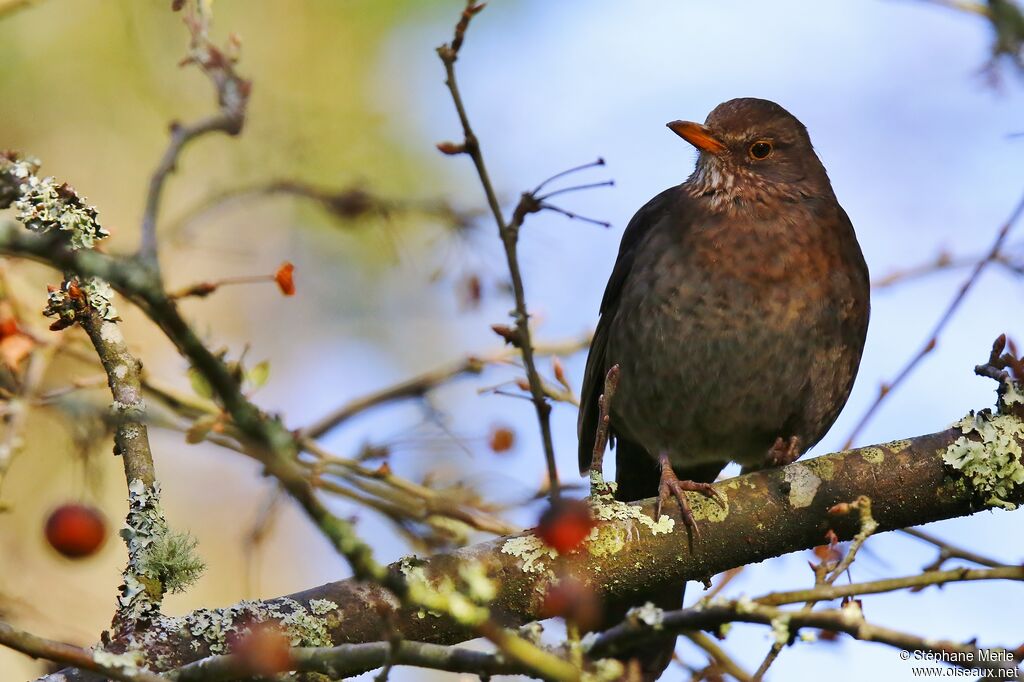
point(597, 483)
point(671, 486)
point(783, 452)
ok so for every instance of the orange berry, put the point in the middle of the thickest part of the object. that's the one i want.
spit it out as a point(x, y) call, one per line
point(502, 439)
point(285, 278)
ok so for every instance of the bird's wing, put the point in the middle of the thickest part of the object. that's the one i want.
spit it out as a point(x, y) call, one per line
point(597, 366)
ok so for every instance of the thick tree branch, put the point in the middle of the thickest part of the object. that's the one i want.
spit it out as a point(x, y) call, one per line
point(768, 513)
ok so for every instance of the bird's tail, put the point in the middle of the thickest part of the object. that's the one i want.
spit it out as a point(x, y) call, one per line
point(638, 475)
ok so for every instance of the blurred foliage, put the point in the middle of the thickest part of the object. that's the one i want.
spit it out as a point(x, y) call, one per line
point(89, 87)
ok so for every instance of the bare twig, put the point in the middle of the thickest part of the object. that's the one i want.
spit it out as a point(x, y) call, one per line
point(718, 655)
point(349, 203)
point(829, 592)
point(420, 385)
point(508, 230)
point(351, 659)
point(949, 551)
point(232, 97)
point(826, 575)
point(67, 654)
point(785, 624)
point(887, 387)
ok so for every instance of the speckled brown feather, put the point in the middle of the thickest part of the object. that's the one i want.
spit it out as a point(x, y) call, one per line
point(737, 311)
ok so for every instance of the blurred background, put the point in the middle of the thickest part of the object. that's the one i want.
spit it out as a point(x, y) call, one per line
point(921, 136)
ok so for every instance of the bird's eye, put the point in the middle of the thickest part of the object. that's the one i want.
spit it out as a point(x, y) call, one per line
point(761, 149)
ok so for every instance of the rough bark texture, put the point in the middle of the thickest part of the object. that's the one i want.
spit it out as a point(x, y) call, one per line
point(767, 514)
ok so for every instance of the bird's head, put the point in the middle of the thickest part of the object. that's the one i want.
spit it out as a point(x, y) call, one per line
point(751, 148)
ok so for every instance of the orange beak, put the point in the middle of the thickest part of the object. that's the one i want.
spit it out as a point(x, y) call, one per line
point(700, 136)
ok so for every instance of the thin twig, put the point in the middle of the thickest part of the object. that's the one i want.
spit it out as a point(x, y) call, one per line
point(509, 233)
point(950, 551)
point(849, 620)
point(926, 579)
point(420, 385)
point(68, 654)
point(824, 575)
point(718, 655)
point(232, 96)
point(933, 338)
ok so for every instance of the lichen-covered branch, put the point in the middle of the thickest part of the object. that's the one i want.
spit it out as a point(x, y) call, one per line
point(785, 626)
point(628, 554)
point(158, 559)
point(274, 445)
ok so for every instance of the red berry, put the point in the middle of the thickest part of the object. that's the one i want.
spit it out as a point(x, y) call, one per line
point(76, 530)
point(264, 650)
point(565, 525)
point(575, 602)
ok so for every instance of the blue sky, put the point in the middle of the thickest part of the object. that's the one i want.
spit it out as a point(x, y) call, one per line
point(919, 151)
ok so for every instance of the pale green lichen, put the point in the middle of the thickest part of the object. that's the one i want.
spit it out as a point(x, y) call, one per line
point(780, 629)
point(606, 539)
point(803, 485)
point(100, 295)
point(531, 551)
point(125, 662)
point(43, 206)
point(648, 614)
point(992, 462)
point(217, 628)
point(607, 508)
point(823, 467)
point(172, 560)
point(320, 607)
point(1011, 394)
point(158, 560)
point(873, 455)
point(898, 446)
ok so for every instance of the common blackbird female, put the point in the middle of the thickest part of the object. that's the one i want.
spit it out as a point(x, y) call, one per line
point(736, 312)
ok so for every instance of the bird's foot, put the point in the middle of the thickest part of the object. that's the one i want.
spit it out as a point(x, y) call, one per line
point(671, 486)
point(783, 452)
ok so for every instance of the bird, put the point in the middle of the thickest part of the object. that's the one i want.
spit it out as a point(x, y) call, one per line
point(736, 315)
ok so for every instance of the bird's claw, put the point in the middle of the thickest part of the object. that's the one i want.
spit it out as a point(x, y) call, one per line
point(670, 486)
point(783, 452)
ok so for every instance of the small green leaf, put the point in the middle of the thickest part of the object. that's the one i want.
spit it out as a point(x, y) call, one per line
point(258, 375)
point(199, 384)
